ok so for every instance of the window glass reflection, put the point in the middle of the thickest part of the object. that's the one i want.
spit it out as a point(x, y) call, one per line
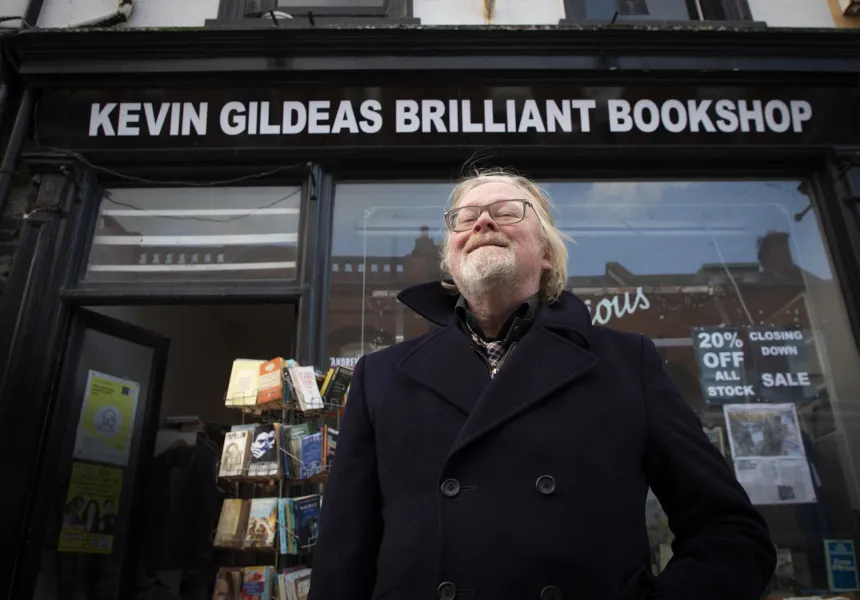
point(733, 282)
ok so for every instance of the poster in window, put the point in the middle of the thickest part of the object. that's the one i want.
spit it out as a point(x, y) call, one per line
point(107, 419)
point(720, 352)
point(841, 565)
point(780, 363)
point(768, 453)
point(90, 511)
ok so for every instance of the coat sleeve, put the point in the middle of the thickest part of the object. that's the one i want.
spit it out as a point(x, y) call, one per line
point(722, 547)
point(344, 558)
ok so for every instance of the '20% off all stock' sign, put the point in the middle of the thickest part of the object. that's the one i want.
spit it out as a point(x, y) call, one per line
point(722, 365)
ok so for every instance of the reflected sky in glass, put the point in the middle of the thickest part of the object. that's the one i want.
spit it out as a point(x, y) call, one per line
point(647, 227)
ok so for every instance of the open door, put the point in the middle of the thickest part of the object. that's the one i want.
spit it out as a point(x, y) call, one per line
point(97, 455)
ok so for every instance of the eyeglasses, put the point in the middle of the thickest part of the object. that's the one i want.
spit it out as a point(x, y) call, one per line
point(503, 212)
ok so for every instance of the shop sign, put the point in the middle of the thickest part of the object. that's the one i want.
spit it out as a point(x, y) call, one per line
point(560, 115)
point(617, 306)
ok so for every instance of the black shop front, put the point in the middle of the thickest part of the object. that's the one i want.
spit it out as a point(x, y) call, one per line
point(203, 197)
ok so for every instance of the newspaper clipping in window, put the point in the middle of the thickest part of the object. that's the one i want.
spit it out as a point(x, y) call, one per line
point(768, 454)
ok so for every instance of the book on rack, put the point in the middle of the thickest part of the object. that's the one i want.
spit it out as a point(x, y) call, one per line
point(228, 584)
point(258, 583)
point(330, 435)
point(244, 383)
point(236, 455)
point(335, 386)
point(262, 523)
point(311, 455)
point(233, 523)
point(269, 393)
point(294, 584)
point(307, 515)
point(293, 435)
point(287, 527)
point(307, 392)
point(264, 451)
point(244, 427)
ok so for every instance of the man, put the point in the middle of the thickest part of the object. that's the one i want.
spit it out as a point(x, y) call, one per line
point(507, 454)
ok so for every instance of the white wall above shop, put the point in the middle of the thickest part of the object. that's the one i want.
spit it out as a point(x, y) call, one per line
point(792, 13)
point(505, 12)
point(147, 13)
point(194, 13)
point(12, 8)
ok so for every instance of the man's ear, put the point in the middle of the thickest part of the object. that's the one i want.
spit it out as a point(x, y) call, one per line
point(546, 263)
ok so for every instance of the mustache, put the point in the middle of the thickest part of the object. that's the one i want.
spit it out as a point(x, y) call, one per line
point(486, 240)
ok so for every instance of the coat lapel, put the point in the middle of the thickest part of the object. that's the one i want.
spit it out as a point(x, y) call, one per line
point(543, 362)
point(552, 354)
point(446, 364)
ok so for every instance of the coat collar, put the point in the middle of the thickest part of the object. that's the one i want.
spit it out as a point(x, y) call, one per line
point(437, 305)
point(553, 354)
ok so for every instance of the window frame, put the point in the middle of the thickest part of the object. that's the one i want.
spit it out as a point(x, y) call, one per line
point(736, 12)
point(77, 290)
point(399, 11)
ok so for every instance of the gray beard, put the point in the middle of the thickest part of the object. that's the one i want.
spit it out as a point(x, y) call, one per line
point(480, 275)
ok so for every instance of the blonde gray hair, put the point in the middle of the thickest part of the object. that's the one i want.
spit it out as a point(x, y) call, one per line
point(554, 280)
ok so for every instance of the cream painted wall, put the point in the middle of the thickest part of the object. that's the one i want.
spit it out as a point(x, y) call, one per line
point(194, 13)
point(792, 13)
point(12, 8)
point(147, 13)
point(506, 12)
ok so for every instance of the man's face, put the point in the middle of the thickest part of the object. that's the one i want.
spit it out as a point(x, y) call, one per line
point(489, 253)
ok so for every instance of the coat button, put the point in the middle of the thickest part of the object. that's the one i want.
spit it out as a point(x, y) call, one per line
point(446, 591)
point(451, 487)
point(550, 593)
point(546, 486)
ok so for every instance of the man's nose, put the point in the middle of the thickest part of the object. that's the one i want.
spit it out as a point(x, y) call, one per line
point(485, 222)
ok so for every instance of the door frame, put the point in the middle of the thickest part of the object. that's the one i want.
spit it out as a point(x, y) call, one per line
point(47, 494)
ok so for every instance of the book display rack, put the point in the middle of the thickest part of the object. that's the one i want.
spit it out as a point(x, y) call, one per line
point(275, 464)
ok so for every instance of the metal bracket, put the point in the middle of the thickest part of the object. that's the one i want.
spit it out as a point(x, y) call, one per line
point(52, 209)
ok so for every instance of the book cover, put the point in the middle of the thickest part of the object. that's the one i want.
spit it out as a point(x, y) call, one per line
point(244, 383)
point(292, 535)
point(243, 427)
point(228, 584)
point(311, 455)
point(299, 584)
point(262, 523)
point(257, 583)
point(264, 452)
point(307, 392)
point(236, 454)
point(307, 513)
point(283, 524)
point(270, 388)
point(329, 446)
point(295, 434)
point(233, 523)
point(336, 385)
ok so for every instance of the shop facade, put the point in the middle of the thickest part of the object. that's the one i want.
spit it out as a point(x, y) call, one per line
point(293, 181)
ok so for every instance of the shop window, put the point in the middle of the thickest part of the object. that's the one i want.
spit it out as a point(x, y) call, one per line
point(314, 12)
point(621, 11)
point(731, 271)
point(190, 234)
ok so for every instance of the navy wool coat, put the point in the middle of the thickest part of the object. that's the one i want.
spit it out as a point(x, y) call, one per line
point(531, 485)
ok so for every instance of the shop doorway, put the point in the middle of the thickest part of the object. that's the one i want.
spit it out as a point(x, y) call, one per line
point(134, 444)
